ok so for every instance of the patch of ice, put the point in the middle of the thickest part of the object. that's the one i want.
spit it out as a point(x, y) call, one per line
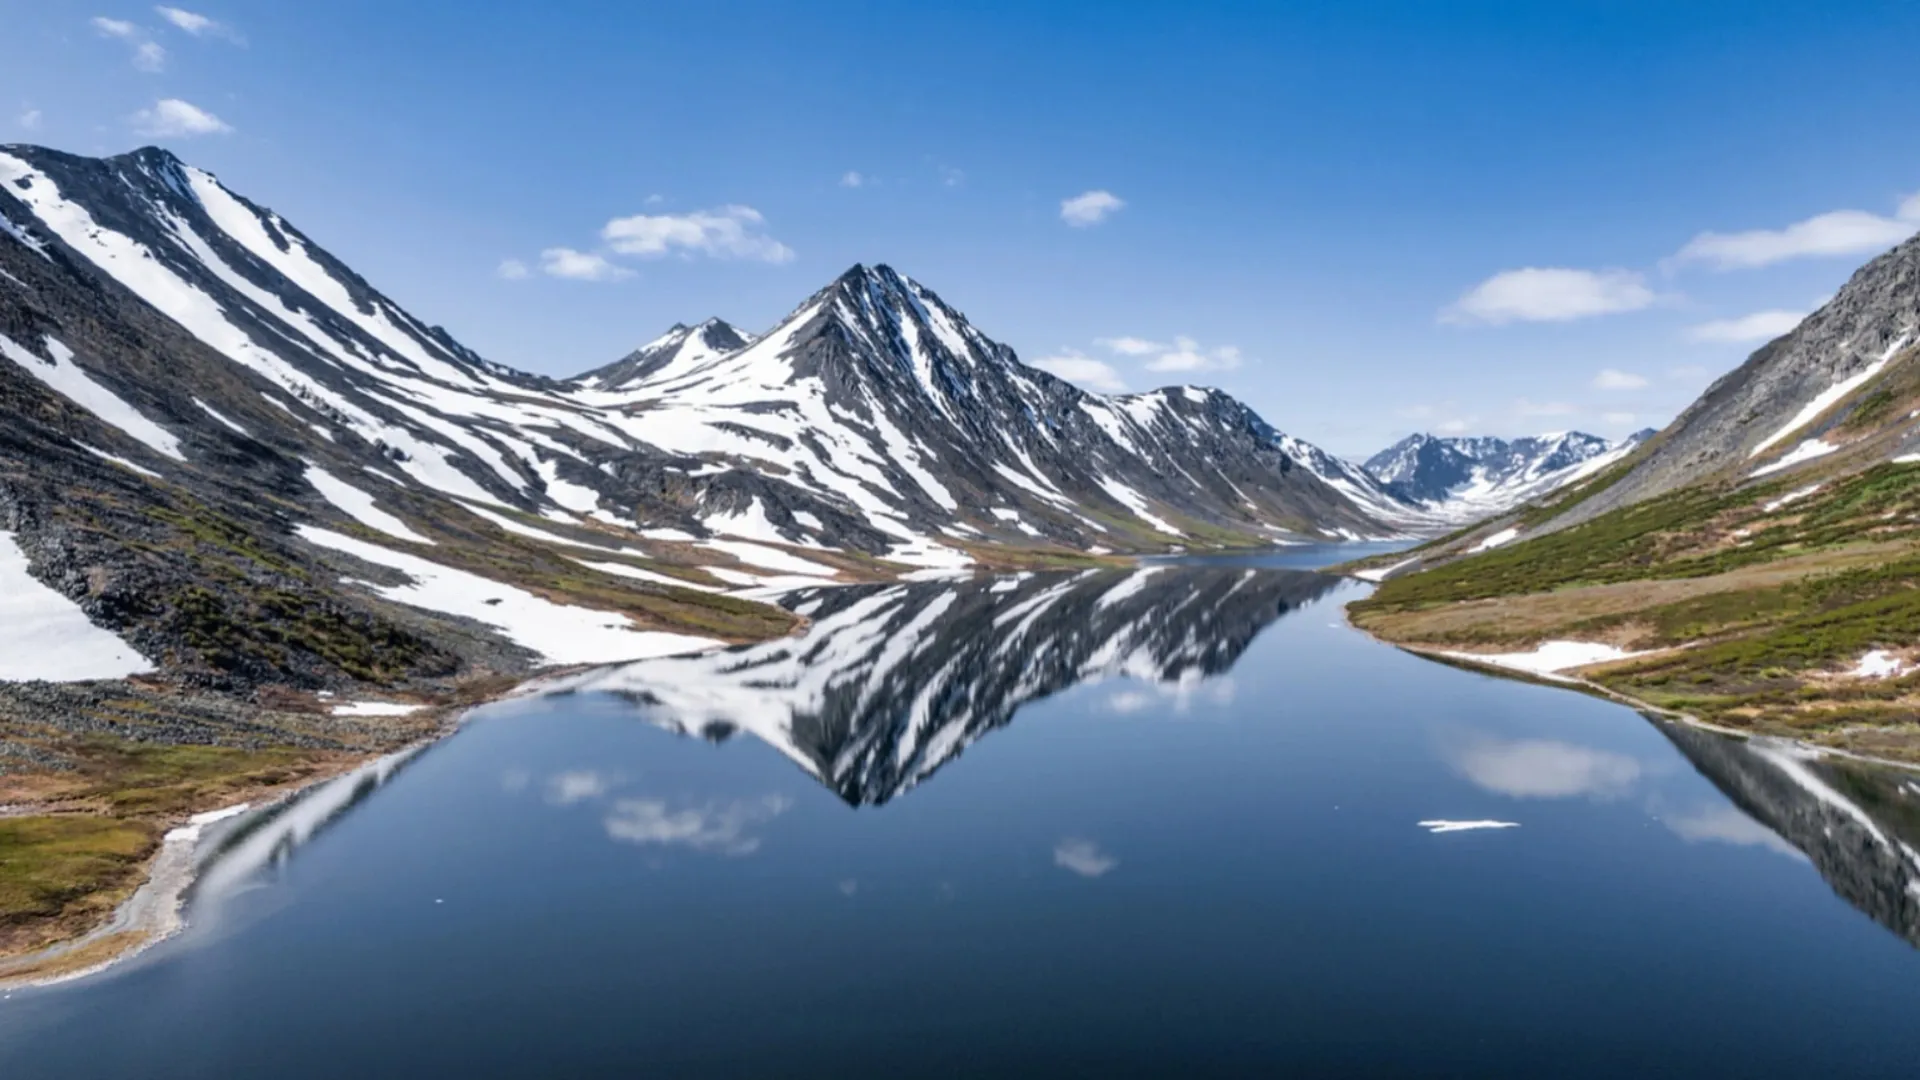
point(1444, 825)
point(45, 636)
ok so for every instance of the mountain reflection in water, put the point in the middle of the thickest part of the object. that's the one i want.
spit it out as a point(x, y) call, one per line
point(889, 682)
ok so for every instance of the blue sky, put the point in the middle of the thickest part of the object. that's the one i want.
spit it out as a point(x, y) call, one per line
point(1363, 218)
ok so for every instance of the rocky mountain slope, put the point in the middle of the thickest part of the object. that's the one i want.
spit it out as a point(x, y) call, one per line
point(1756, 564)
point(1463, 479)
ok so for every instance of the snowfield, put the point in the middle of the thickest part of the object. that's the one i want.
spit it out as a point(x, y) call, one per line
point(45, 636)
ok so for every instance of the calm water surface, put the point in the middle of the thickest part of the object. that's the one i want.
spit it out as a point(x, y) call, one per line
point(1150, 823)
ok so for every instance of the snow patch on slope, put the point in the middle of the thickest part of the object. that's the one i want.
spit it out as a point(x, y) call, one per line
point(45, 636)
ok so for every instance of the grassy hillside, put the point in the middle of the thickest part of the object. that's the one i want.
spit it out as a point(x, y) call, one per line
point(1763, 598)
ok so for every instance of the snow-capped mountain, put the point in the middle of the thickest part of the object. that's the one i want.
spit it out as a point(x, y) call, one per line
point(198, 396)
point(675, 352)
point(1466, 478)
point(888, 683)
point(873, 419)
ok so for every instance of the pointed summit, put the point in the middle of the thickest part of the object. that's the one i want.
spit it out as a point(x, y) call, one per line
point(681, 348)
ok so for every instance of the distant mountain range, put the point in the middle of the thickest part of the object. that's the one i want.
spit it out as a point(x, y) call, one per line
point(1462, 479)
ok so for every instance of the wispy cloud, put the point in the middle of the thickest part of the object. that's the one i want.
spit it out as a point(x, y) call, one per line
point(173, 118)
point(1526, 408)
point(1077, 367)
point(1090, 208)
point(1618, 419)
point(726, 232)
point(1726, 825)
point(721, 828)
point(1131, 346)
point(1549, 294)
point(1083, 857)
point(29, 119)
point(512, 270)
point(115, 28)
point(1615, 379)
point(577, 786)
point(951, 177)
point(197, 24)
point(851, 179)
point(1838, 232)
point(1543, 768)
point(1759, 326)
point(565, 262)
point(148, 55)
point(1182, 354)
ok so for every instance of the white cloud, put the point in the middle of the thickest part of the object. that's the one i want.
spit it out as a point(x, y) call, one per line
point(1759, 326)
point(1129, 701)
point(1615, 379)
point(29, 119)
point(193, 23)
point(563, 262)
point(1839, 232)
point(654, 200)
point(1459, 425)
point(1726, 825)
point(1077, 367)
point(1083, 857)
point(1090, 208)
point(512, 270)
point(1549, 294)
point(580, 785)
point(147, 55)
point(1544, 769)
point(1186, 355)
point(713, 827)
point(1618, 419)
point(1523, 407)
point(727, 232)
point(172, 117)
point(1131, 346)
point(851, 179)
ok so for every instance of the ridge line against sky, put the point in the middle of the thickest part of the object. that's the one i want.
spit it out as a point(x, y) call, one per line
point(1496, 218)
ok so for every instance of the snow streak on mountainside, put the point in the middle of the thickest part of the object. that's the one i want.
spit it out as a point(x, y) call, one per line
point(891, 682)
point(1467, 479)
point(873, 420)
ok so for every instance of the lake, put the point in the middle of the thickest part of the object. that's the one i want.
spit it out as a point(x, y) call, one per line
point(1125, 823)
